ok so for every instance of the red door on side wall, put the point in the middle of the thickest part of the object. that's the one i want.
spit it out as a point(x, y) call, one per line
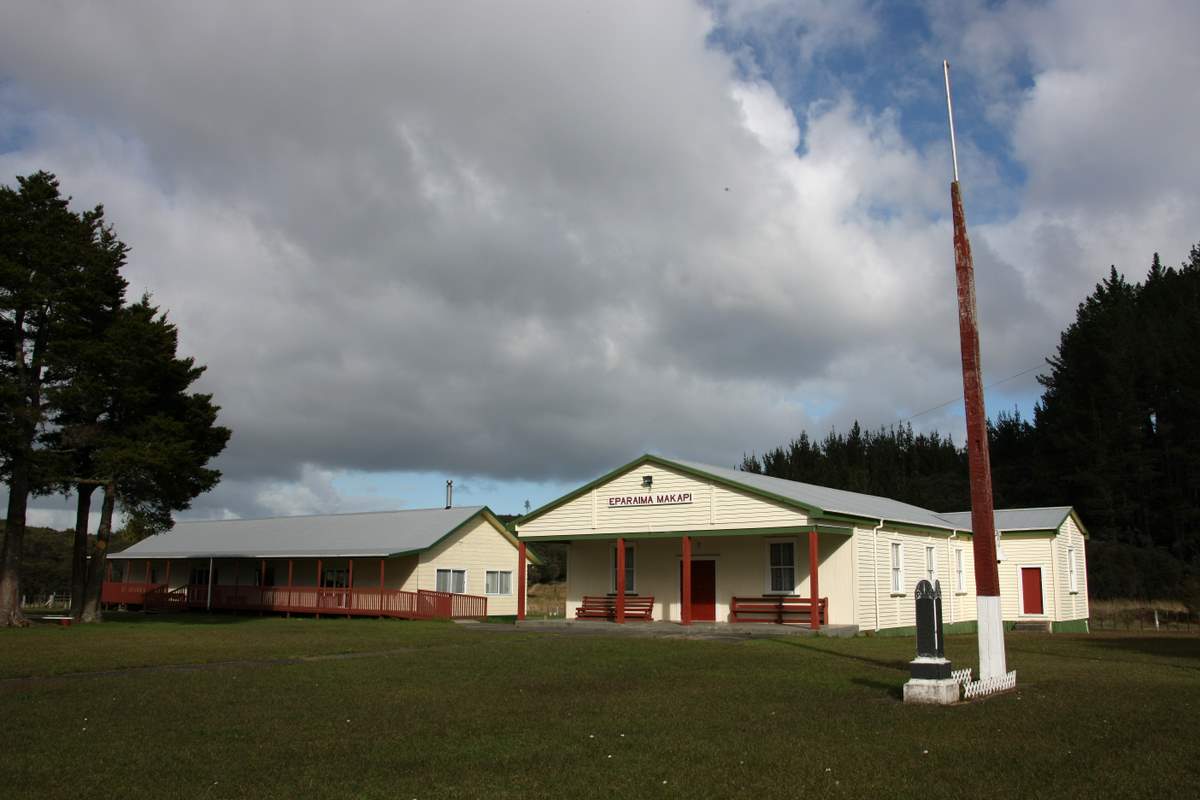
point(1031, 590)
point(704, 590)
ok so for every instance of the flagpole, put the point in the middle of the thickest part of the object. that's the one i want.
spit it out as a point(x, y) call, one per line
point(983, 526)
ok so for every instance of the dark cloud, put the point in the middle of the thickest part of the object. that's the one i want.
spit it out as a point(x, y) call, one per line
point(514, 242)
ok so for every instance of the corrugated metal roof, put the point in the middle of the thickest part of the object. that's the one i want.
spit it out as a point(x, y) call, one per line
point(832, 501)
point(372, 534)
point(1016, 519)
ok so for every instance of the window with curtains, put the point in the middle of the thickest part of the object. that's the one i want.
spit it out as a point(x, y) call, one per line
point(897, 568)
point(930, 565)
point(451, 580)
point(497, 582)
point(629, 569)
point(781, 559)
point(335, 578)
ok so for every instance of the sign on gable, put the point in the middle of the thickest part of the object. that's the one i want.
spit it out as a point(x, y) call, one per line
point(663, 499)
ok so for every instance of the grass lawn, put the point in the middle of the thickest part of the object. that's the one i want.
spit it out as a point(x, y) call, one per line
point(440, 710)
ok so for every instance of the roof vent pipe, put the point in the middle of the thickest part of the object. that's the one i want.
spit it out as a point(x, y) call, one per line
point(449, 493)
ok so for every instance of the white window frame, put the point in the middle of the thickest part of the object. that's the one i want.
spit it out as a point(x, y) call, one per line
point(931, 573)
point(630, 568)
point(499, 573)
point(452, 571)
point(960, 577)
point(1072, 571)
point(771, 567)
point(896, 551)
point(340, 580)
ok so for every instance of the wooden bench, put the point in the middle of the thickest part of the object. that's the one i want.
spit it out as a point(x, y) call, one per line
point(605, 607)
point(779, 609)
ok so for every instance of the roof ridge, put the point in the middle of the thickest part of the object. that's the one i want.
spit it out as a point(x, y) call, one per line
point(803, 483)
point(338, 514)
point(1014, 508)
point(901, 511)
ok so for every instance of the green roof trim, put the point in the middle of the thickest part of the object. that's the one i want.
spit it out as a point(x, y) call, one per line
point(1082, 530)
point(820, 503)
point(487, 515)
point(744, 488)
point(666, 464)
point(707, 533)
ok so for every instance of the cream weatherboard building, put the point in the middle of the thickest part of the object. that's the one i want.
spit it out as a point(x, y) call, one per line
point(419, 563)
point(758, 548)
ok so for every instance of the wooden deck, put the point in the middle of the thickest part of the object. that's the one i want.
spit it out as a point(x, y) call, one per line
point(362, 602)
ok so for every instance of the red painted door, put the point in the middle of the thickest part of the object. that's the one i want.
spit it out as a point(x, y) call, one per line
point(704, 591)
point(1031, 589)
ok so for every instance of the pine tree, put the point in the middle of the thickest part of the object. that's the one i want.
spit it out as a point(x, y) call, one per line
point(146, 439)
point(60, 282)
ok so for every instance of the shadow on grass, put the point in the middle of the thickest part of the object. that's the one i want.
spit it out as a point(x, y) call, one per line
point(796, 641)
point(137, 618)
point(1170, 646)
point(229, 618)
point(892, 690)
point(1165, 651)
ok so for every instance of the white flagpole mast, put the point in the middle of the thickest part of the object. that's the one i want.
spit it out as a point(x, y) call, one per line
point(950, 114)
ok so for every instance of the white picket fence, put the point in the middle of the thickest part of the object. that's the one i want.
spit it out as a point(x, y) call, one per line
point(981, 688)
point(51, 600)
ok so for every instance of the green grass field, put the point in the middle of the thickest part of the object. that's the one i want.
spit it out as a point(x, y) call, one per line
point(439, 710)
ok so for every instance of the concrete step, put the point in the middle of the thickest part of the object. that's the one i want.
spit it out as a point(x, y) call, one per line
point(1031, 627)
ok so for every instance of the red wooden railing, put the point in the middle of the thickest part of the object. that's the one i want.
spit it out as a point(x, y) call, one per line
point(161, 598)
point(119, 593)
point(302, 600)
point(467, 606)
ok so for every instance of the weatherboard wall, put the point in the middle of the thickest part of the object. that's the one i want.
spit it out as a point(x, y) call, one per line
point(1070, 605)
point(1023, 550)
point(963, 605)
point(873, 579)
point(477, 548)
point(711, 507)
point(897, 609)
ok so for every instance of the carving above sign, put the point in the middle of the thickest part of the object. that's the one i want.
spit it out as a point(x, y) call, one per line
point(657, 499)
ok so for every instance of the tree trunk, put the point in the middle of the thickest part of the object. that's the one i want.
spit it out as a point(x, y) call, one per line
point(14, 542)
point(83, 510)
point(90, 612)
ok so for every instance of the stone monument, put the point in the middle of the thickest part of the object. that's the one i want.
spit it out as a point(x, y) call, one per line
point(931, 681)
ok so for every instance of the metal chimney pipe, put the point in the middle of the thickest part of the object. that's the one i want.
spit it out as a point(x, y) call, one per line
point(449, 493)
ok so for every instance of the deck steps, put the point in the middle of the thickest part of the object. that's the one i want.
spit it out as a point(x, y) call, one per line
point(1031, 627)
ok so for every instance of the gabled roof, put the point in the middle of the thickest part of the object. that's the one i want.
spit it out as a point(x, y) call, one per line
point(813, 499)
point(1012, 520)
point(376, 534)
point(824, 500)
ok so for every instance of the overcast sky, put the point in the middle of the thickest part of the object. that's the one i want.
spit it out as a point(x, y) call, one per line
point(518, 244)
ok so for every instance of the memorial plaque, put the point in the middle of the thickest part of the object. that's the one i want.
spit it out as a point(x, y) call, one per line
point(930, 663)
point(927, 632)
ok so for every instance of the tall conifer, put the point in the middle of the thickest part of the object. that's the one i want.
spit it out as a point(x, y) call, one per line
point(60, 283)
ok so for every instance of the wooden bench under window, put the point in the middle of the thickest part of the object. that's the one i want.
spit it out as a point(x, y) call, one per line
point(605, 607)
point(777, 608)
